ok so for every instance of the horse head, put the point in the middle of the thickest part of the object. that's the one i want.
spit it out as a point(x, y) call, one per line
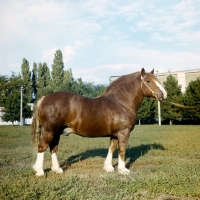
point(151, 86)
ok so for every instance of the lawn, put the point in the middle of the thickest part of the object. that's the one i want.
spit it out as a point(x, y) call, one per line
point(164, 162)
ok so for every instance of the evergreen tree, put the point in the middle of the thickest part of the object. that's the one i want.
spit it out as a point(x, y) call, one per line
point(46, 73)
point(47, 89)
point(146, 109)
point(44, 81)
point(57, 71)
point(26, 77)
point(174, 94)
point(34, 81)
point(40, 79)
point(192, 98)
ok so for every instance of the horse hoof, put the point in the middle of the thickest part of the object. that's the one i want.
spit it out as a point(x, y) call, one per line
point(109, 169)
point(59, 170)
point(39, 172)
point(124, 171)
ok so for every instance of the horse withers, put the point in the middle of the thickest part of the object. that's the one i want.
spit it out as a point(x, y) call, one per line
point(112, 114)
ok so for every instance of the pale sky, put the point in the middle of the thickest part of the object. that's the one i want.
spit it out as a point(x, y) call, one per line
point(101, 38)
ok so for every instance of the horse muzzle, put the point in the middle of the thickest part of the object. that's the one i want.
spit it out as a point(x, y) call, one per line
point(161, 95)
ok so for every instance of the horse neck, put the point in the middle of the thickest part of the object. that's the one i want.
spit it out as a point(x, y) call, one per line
point(128, 92)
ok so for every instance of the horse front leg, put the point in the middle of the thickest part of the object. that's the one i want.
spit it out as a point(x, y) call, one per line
point(53, 149)
point(108, 162)
point(123, 138)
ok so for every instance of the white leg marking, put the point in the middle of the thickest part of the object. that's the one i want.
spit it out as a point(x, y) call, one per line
point(121, 167)
point(55, 165)
point(108, 162)
point(38, 166)
point(162, 89)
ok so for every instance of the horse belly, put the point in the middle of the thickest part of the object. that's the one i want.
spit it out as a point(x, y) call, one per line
point(99, 125)
point(90, 127)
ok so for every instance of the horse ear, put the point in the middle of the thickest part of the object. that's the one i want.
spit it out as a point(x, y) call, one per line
point(152, 71)
point(143, 73)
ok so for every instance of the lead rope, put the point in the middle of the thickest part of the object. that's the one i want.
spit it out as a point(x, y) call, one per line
point(175, 104)
point(180, 105)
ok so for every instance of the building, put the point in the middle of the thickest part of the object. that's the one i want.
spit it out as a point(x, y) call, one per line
point(184, 77)
point(26, 121)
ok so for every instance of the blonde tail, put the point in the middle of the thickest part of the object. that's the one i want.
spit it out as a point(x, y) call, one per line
point(37, 130)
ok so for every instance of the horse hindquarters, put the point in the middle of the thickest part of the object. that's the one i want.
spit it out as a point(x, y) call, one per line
point(43, 139)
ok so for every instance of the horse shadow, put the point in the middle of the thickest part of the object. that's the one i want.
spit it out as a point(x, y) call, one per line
point(132, 154)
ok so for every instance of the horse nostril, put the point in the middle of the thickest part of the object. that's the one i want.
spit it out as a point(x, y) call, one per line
point(160, 95)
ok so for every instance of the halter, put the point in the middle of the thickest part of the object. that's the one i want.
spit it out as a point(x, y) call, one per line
point(152, 92)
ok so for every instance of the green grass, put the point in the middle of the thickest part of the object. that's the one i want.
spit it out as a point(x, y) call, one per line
point(164, 163)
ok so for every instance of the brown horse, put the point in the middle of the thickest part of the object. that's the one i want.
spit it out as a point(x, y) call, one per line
point(112, 114)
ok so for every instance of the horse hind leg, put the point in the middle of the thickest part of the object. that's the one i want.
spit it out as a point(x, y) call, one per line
point(42, 147)
point(53, 149)
point(108, 162)
point(38, 166)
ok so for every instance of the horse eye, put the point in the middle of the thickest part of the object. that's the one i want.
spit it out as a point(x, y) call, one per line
point(148, 81)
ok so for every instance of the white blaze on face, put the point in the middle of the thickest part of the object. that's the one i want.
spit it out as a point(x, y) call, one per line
point(162, 89)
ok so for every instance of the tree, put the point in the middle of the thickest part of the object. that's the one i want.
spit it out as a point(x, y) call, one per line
point(68, 76)
point(40, 80)
point(11, 110)
point(3, 83)
point(80, 87)
point(98, 89)
point(27, 82)
point(57, 71)
point(47, 76)
point(174, 94)
point(34, 81)
point(146, 109)
point(68, 81)
point(11, 106)
point(47, 89)
point(44, 81)
point(192, 98)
